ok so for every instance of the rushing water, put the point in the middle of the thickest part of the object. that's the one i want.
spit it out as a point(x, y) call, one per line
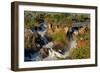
point(53, 55)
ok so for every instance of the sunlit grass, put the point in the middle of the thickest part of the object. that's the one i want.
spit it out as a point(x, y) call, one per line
point(80, 53)
point(59, 36)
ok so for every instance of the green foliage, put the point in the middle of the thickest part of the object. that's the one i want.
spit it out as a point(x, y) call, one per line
point(59, 37)
point(28, 20)
point(32, 19)
point(81, 17)
point(80, 53)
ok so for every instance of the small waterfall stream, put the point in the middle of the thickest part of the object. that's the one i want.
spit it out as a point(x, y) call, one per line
point(52, 54)
point(35, 56)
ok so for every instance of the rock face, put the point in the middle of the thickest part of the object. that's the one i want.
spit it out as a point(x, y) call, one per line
point(44, 52)
point(28, 36)
point(29, 39)
point(28, 33)
point(52, 29)
point(82, 30)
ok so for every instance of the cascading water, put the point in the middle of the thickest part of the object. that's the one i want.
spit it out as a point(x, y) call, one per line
point(44, 43)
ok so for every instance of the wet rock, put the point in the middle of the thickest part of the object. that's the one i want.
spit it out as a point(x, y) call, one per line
point(44, 52)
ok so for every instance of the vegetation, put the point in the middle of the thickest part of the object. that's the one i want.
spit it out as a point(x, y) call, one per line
point(32, 19)
point(82, 51)
point(60, 38)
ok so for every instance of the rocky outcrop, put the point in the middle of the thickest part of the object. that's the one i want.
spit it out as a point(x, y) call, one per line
point(29, 38)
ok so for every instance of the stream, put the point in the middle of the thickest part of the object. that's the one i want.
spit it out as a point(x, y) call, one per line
point(33, 55)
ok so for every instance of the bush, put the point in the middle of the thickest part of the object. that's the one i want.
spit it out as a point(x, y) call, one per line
point(80, 53)
point(58, 36)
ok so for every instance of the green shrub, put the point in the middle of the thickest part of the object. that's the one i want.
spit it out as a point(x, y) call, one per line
point(58, 36)
point(80, 53)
